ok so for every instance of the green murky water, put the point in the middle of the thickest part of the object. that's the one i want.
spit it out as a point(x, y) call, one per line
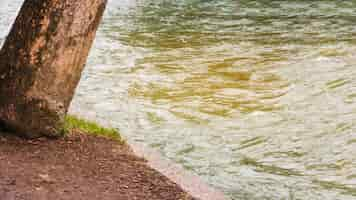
point(257, 97)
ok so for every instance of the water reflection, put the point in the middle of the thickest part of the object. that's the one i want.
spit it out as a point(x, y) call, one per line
point(252, 95)
point(257, 97)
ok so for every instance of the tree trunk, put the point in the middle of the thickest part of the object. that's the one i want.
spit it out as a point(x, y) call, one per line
point(41, 63)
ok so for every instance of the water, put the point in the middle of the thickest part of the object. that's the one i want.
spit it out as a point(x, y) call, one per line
point(257, 97)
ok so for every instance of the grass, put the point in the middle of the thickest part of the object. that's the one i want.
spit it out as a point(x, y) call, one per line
point(92, 128)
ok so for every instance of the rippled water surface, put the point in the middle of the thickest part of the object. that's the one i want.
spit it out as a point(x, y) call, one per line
point(257, 97)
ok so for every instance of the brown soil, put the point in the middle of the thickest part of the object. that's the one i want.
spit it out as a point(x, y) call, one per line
point(78, 167)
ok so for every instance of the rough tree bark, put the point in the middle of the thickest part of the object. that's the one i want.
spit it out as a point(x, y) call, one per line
point(41, 63)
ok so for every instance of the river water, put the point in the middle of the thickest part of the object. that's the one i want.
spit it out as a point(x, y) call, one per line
point(256, 97)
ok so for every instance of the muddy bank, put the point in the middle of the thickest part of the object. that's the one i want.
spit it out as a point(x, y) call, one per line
point(78, 166)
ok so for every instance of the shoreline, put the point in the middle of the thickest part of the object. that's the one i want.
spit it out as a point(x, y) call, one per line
point(79, 165)
point(188, 181)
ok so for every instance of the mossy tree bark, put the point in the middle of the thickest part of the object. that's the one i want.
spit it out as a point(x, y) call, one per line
point(41, 63)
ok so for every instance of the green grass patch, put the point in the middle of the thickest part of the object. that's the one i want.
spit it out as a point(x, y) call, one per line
point(89, 127)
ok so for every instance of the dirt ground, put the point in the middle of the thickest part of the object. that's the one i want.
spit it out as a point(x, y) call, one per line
point(78, 167)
